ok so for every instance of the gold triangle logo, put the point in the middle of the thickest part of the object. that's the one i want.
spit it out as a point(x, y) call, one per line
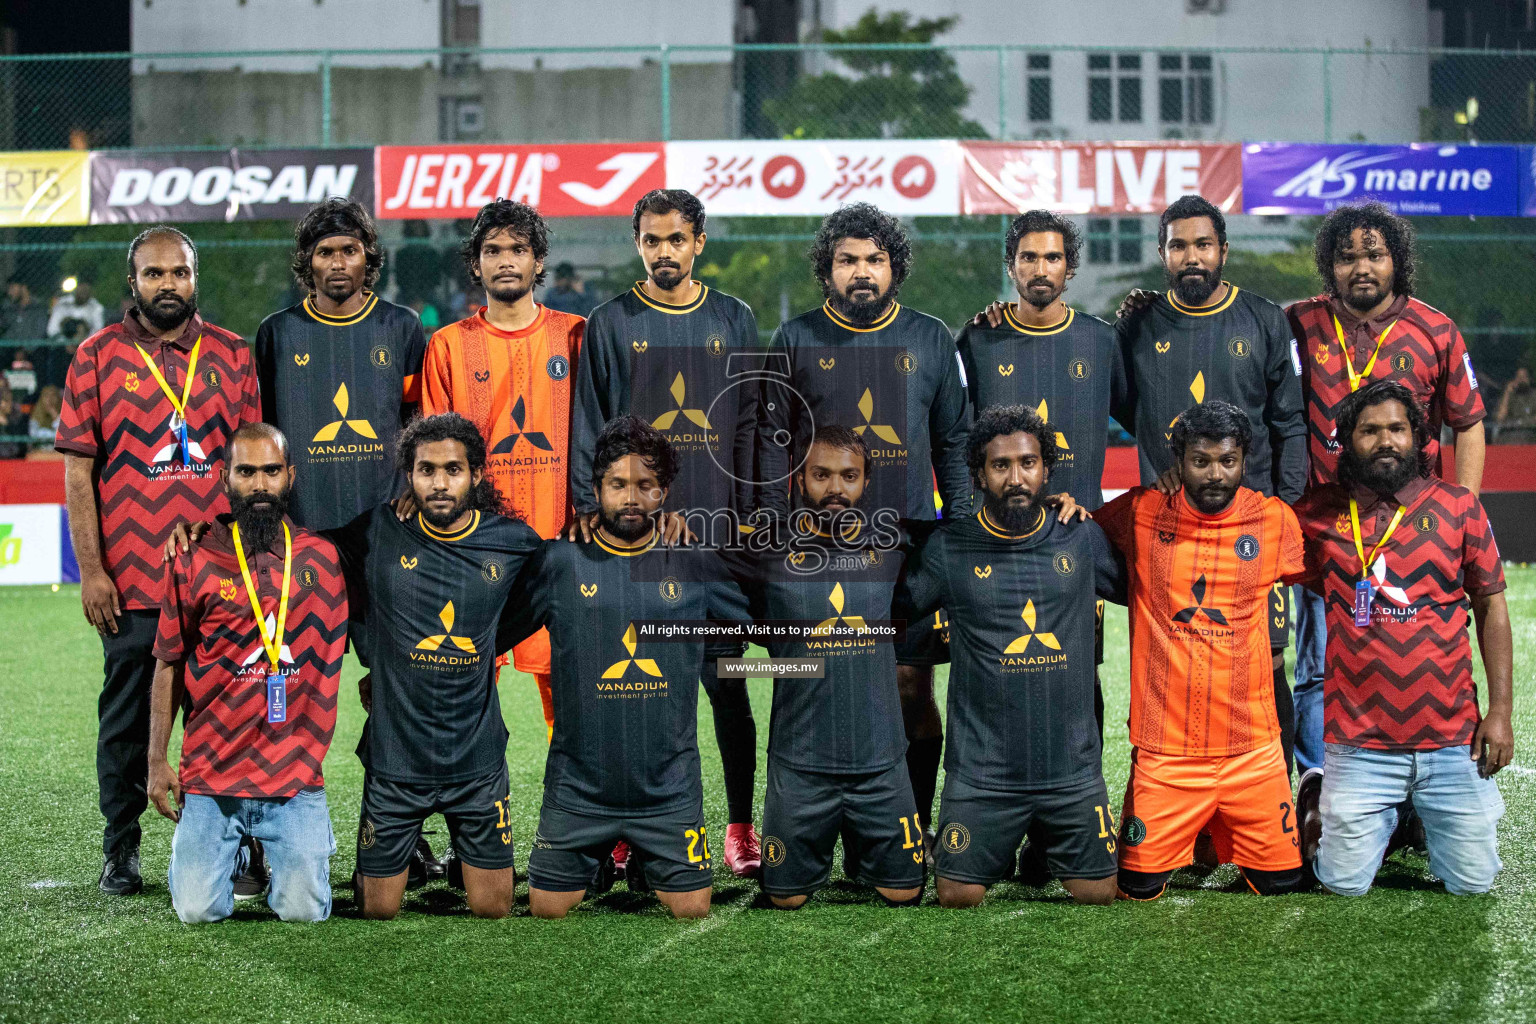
point(331, 429)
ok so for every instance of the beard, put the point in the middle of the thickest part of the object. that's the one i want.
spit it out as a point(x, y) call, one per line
point(1211, 497)
point(1382, 476)
point(1040, 292)
point(1011, 514)
point(260, 525)
point(167, 311)
point(626, 529)
point(443, 520)
point(508, 292)
point(666, 276)
point(1362, 296)
point(338, 290)
point(1194, 285)
point(860, 312)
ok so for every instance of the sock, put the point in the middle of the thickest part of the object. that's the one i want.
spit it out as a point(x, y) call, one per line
point(736, 735)
point(923, 756)
point(1285, 708)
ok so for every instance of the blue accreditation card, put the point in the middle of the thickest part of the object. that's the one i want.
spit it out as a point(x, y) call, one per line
point(277, 697)
point(1363, 603)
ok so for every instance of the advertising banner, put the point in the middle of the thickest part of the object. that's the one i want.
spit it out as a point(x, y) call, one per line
point(795, 177)
point(1097, 177)
point(1525, 166)
point(33, 548)
point(234, 184)
point(1421, 178)
point(44, 188)
point(584, 179)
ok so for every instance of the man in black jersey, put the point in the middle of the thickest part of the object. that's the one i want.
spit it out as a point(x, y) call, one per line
point(1024, 749)
point(666, 351)
point(624, 758)
point(339, 370)
point(836, 746)
point(427, 600)
point(891, 374)
point(1205, 339)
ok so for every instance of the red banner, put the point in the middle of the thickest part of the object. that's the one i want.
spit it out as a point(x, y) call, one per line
point(561, 179)
point(1097, 177)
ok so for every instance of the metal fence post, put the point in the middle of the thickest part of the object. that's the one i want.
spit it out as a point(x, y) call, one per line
point(1327, 96)
point(1002, 92)
point(666, 93)
point(325, 98)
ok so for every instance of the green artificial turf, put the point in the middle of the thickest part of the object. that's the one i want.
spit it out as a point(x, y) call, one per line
point(1207, 951)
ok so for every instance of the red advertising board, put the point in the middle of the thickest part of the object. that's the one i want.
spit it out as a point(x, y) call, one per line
point(562, 179)
point(1097, 177)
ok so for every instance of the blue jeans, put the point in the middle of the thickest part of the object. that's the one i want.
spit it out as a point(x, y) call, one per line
point(1311, 660)
point(1362, 789)
point(294, 831)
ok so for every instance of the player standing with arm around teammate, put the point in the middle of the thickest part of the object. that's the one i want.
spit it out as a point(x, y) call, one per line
point(1024, 750)
point(1205, 737)
point(252, 630)
point(149, 404)
point(666, 351)
point(891, 374)
point(340, 371)
point(1398, 555)
point(624, 759)
point(508, 369)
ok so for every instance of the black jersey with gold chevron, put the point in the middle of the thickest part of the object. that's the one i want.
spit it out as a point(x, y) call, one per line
point(340, 388)
point(1239, 350)
point(625, 702)
point(897, 382)
point(1021, 641)
point(682, 370)
point(426, 607)
point(1072, 374)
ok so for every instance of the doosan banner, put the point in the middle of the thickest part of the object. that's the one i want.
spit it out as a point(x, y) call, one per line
point(1097, 177)
point(227, 185)
point(1423, 178)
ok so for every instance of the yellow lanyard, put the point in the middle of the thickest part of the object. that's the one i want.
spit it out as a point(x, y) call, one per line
point(1356, 379)
point(186, 387)
point(273, 642)
point(1354, 522)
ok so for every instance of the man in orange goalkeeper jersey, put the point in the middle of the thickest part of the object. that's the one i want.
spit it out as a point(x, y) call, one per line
point(509, 369)
point(1205, 736)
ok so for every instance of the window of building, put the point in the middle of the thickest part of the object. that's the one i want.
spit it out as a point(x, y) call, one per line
point(1114, 87)
point(1115, 240)
point(1039, 86)
point(1185, 89)
point(1128, 86)
point(1101, 246)
point(1128, 240)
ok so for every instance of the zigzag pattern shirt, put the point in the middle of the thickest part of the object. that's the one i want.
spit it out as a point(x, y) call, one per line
point(229, 748)
point(1405, 681)
point(115, 412)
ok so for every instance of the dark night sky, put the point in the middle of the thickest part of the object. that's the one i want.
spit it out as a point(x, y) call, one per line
point(67, 26)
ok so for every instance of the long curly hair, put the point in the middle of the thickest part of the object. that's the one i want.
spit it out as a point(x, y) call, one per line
point(335, 216)
point(1398, 234)
point(861, 220)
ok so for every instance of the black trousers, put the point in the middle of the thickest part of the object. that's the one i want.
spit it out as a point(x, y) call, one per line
point(122, 738)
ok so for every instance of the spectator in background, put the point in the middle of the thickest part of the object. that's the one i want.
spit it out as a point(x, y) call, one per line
point(50, 363)
point(13, 424)
point(418, 272)
point(44, 427)
point(1515, 417)
point(568, 294)
point(78, 304)
point(22, 318)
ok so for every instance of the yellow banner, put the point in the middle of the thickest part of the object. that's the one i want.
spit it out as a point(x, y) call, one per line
point(46, 187)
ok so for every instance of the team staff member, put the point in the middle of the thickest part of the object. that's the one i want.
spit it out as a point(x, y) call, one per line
point(149, 404)
point(1398, 555)
point(1205, 738)
point(340, 371)
point(1365, 326)
point(892, 374)
point(666, 351)
point(1024, 748)
point(624, 760)
point(252, 630)
point(508, 370)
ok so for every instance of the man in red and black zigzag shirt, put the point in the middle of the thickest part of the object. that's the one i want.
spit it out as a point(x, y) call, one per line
point(149, 404)
point(253, 626)
point(1398, 555)
point(1368, 326)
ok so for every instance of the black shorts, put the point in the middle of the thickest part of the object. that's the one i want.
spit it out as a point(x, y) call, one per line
point(479, 818)
point(981, 829)
point(672, 847)
point(1279, 617)
point(804, 812)
point(925, 642)
point(714, 649)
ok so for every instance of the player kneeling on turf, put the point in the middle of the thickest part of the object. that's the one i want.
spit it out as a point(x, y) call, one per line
point(252, 630)
point(624, 758)
point(1204, 732)
point(1020, 584)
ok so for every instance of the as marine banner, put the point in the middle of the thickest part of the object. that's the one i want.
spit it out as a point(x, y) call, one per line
point(227, 185)
point(1422, 178)
point(1097, 177)
point(44, 188)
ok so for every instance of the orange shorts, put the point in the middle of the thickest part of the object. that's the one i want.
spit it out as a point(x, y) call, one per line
point(533, 655)
point(1245, 800)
